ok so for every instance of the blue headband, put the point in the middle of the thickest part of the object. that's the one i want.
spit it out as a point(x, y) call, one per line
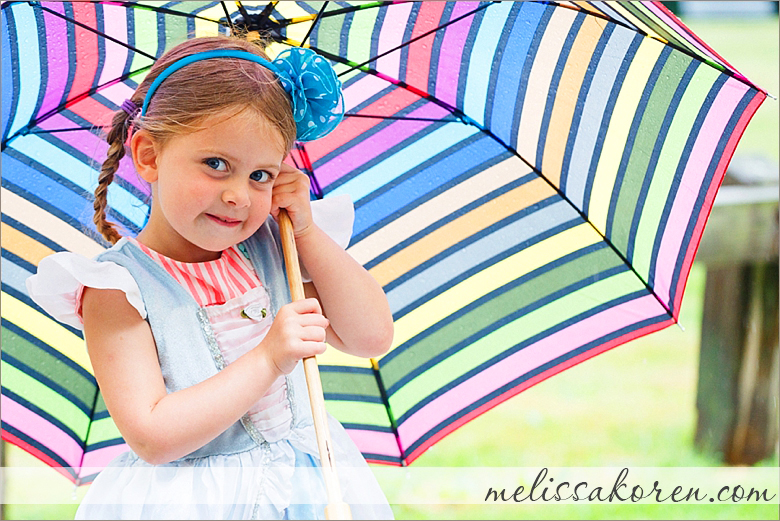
point(309, 80)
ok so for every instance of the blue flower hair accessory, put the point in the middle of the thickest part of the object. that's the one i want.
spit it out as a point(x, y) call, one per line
point(314, 89)
point(310, 81)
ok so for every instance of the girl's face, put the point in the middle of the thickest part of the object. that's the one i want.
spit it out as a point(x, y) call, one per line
point(211, 188)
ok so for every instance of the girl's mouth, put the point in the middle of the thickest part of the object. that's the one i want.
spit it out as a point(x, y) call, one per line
point(224, 221)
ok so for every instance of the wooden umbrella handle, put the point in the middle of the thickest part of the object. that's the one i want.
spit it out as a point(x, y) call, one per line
point(336, 508)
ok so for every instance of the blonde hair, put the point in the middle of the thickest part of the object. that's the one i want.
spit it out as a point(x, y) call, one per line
point(190, 95)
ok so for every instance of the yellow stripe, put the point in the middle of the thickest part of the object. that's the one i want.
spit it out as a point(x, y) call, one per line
point(23, 246)
point(333, 356)
point(494, 277)
point(46, 329)
point(464, 226)
point(617, 134)
point(48, 225)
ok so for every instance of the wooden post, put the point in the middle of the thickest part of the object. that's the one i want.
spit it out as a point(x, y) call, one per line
point(737, 397)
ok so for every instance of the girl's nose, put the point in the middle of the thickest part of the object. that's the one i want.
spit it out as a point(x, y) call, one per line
point(236, 196)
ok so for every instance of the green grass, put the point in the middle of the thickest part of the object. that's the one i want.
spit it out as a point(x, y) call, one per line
point(631, 406)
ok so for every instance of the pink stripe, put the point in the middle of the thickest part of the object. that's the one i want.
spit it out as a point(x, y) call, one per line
point(41, 430)
point(231, 286)
point(451, 52)
point(240, 269)
point(519, 363)
point(115, 25)
point(363, 89)
point(102, 457)
point(367, 149)
point(375, 442)
point(703, 151)
point(207, 296)
point(220, 293)
point(392, 36)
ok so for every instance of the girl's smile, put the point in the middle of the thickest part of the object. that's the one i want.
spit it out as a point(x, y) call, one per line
point(211, 188)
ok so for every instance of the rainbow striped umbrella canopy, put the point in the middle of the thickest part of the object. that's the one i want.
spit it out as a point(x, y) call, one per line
point(531, 181)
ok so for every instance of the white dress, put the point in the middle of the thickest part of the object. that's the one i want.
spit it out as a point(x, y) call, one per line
point(276, 480)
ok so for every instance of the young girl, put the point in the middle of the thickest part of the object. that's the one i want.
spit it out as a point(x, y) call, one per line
point(189, 326)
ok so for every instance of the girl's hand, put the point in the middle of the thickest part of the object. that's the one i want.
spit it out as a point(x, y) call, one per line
point(291, 192)
point(298, 331)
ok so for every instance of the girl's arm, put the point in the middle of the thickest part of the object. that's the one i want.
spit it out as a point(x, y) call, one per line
point(162, 427)
point(361, 322)
point(360, 318)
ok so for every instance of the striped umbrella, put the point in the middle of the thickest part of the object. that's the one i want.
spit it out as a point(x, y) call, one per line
point(531, 181)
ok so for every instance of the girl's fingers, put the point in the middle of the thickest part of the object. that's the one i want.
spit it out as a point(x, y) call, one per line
point(313, 334)
point(315, 348)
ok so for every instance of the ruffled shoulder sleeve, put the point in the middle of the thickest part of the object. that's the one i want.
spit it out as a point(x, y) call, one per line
point(336, 217)
point(58, 285)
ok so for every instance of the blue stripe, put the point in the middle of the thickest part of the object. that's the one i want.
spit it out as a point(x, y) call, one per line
point(477, 253)
point(508, 90)
point(590, 73)
point(10, 79)
point(413, 152)
point(491, 295)
point(485, 44)
point(593, 113)
point(81, 174)
point(28, 66)
point(445, 166)
point(459, 212)
point(351, 397)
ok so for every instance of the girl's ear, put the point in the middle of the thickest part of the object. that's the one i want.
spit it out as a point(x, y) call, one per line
point(145, 155)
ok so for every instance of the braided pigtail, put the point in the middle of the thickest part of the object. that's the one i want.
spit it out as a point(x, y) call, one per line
point(116, 139)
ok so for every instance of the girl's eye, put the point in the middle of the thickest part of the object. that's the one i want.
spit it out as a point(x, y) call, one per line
point(216, 164)
point(260, 175)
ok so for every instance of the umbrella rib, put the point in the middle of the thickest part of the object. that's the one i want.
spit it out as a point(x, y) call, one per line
point(725, 70)
point(227, 16)
point(386, 402)
point(104, 35)
point(581, 213)
point(467, 120)
point(309, 169)
point(163, 10)
point(346, 10)
point(319, 15)
point(399, 118)
point(418, 37)
point(62, 106)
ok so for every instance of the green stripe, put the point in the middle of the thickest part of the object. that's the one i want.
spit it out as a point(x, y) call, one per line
point(511, 334)
point(359, 39)
point(48, 365)
point(649, 129)
point(358, 412)
point(145, 32)
point(663, 176)
point(103, 430)
point(46, 399)
point(495, 309)
point(352, 383)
